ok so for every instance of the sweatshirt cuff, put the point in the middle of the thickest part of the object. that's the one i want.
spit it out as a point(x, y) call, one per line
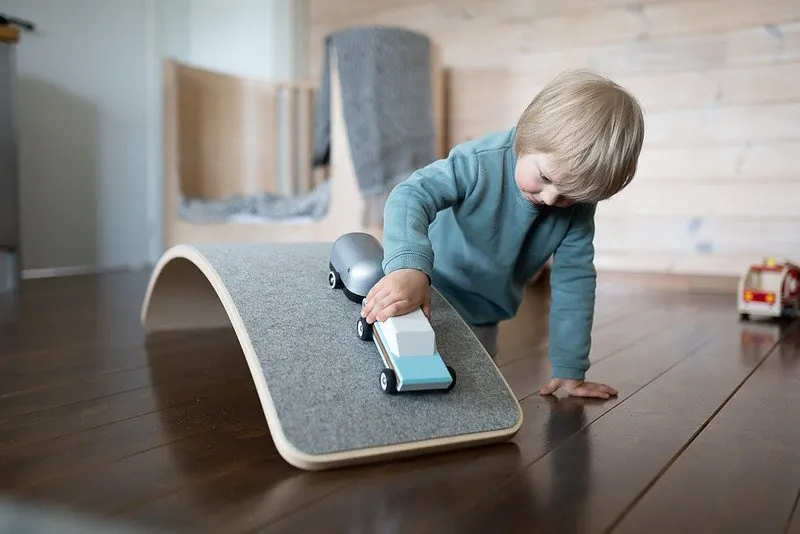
point(570, 373)
point(409, 260)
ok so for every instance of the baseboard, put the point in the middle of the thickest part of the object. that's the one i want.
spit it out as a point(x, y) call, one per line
point(81, 270)
point(692, 283)
point(8, 271)
point(611, 279)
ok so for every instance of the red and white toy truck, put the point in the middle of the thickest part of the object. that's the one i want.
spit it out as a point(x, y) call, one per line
point(770, 289)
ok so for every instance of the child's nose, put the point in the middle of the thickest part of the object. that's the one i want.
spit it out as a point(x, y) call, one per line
point(550, 198)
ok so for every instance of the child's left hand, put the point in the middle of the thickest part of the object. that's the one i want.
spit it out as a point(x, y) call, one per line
point(579, 388)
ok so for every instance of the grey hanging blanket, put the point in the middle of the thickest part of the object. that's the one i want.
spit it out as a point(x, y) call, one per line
point(385, 76)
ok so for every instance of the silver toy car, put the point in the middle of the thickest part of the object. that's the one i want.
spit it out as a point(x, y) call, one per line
point(356, 264)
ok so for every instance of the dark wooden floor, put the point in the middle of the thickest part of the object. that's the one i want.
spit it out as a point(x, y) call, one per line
point(101, 428)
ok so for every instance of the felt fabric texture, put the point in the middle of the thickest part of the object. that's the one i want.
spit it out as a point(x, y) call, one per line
point(324, 380)
point(385, 76)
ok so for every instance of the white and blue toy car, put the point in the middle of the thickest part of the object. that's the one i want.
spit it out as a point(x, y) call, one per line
point(407, 345)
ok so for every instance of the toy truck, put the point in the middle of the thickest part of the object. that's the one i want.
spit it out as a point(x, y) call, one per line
point(769, 289)
point(355, 264)
point(407, 345)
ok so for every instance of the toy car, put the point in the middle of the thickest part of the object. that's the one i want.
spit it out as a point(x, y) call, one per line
point(407, 345)
point(769, 289)
point(356, 264)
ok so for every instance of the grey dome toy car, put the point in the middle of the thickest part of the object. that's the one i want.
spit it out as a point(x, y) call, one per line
point(356, 264)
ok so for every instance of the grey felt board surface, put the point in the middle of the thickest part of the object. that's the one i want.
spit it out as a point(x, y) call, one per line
point(324, 379)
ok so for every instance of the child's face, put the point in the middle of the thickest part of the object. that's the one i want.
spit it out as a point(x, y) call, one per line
point(537, 182)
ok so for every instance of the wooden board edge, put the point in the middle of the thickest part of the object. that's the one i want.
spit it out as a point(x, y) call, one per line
point(207, 285)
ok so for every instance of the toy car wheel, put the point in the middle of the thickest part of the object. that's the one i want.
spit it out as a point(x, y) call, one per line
point(364, 329)
point(744, 316)
point(388, 381)
point(334, 280)
point(453, 375)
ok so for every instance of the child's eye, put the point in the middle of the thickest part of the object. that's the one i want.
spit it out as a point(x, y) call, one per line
point(544, 178)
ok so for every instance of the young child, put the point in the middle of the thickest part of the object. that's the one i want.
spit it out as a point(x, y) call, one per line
point(478, 224)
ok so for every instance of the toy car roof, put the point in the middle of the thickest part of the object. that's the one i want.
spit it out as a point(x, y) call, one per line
point(410, 334)
point(770, 264)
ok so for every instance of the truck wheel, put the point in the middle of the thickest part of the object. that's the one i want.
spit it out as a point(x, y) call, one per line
point(334, 280)
point(388, 381)
point(364, 329)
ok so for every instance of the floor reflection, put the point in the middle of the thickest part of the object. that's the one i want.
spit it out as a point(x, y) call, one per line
point(758, 336)
point(570, 465)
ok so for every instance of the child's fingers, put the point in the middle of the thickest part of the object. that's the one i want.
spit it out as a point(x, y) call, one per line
point(426, 309)
point(550, 388)
point(378, 295)
point(370, 313)
point(380, 306)
point(582, 389)
point(594, 393)
point(375, 289)
point(398, 307)
point(590, 390)
point(608, 389)
point(600, 390)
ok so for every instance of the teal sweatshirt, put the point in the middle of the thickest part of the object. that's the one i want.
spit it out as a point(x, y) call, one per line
point(465, 223)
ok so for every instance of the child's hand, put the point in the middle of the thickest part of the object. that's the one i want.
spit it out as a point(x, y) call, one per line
point(398, 293)
point(579, 388)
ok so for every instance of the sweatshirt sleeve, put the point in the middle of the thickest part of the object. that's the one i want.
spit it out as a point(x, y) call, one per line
point(413, 204)
point(573, 281)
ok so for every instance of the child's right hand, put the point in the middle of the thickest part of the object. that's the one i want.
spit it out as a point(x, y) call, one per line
point(398, 293)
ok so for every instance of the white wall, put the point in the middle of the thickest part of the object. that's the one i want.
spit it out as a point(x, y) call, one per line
point(255, 38)
point(82, 111)
point(89, 112)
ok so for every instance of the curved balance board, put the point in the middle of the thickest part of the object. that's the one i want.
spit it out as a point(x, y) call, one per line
point(317, 381)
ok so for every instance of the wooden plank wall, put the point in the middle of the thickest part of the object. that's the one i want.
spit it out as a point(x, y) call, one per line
point(718, 185)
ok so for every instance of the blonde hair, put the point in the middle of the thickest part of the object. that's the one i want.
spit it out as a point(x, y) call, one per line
point(590, 127)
